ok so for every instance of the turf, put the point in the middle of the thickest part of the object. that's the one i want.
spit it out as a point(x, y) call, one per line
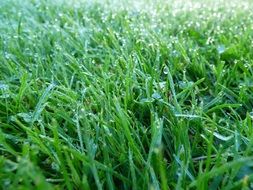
point(126, 94)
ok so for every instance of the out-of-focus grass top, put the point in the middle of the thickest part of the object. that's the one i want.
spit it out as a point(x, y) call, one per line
point(126, 94)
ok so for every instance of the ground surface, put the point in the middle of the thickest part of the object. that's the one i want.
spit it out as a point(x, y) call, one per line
point(126, 95)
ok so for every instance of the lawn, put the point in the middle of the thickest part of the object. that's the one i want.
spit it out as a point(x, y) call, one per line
point(147, 94)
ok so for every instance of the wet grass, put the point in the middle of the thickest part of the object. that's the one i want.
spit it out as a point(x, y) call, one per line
point(124, 95)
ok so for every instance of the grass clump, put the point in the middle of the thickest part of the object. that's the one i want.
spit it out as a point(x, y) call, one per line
point(126, 95)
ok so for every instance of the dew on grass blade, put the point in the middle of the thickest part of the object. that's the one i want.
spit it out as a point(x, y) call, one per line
point(4, 91)
point(4, 87)
point(221, 49)
point(185, 84)
point(251, 115)
point(162, 84)
point(27, 117)
point(166, 70)
point(156, 96)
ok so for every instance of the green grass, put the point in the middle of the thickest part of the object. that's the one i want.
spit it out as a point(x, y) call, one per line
point(126, 95)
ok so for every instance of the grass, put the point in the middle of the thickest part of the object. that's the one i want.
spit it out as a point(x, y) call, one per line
point(126, 94)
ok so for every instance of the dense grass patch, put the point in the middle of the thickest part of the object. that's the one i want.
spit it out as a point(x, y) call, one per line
point(126, 95)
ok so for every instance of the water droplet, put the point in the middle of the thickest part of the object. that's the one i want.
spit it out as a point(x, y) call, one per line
point(221, 49)
point(156, 96)
point(166, 70)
